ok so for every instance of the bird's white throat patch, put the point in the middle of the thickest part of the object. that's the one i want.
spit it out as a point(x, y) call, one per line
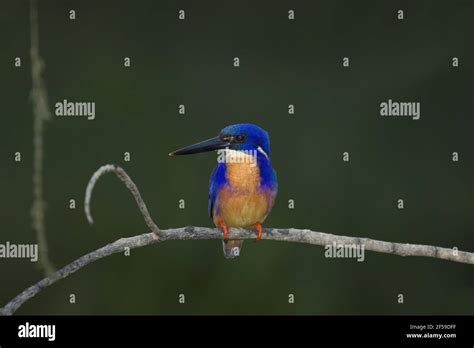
point(237, 156)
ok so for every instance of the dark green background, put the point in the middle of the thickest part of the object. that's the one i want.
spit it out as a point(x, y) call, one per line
point(282, 62)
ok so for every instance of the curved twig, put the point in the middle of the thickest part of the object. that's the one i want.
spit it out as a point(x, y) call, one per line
point(196, 233)
point(122, 175)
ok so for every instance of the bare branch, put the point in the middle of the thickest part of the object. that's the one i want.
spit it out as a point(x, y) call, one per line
point(278, 234)
point(196, 233)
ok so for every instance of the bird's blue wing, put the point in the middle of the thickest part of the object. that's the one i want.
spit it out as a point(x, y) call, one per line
point(217, 180)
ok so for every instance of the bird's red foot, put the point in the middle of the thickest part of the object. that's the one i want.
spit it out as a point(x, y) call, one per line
point(225, 230)
point(259, 231)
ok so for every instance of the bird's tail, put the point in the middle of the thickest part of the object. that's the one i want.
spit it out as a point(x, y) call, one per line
point(232, 248)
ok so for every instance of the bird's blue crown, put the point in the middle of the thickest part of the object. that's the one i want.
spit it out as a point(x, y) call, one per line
point(246, 136)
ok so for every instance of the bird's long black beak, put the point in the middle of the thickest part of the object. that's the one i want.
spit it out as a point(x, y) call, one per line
point(204, 146)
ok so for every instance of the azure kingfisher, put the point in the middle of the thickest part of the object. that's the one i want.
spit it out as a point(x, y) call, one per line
point(243, 185)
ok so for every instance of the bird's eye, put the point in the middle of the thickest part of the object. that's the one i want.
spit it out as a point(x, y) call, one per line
point(240, 138)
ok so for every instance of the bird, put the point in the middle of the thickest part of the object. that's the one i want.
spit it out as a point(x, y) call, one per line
point(243, 185)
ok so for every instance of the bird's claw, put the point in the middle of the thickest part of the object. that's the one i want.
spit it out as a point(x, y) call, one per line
point(225, 231)
point(259, 232)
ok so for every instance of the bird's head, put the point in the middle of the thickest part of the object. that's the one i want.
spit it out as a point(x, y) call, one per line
point(238, 137)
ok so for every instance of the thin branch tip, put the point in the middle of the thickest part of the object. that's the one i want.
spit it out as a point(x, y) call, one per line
point(123, 176)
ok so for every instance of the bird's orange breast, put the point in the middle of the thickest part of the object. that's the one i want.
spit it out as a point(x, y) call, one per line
point(241, 202)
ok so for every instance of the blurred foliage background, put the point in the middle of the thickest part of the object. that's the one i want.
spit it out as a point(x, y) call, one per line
point(282, 62)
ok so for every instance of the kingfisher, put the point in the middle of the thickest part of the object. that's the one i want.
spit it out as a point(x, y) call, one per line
point(243, 185)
